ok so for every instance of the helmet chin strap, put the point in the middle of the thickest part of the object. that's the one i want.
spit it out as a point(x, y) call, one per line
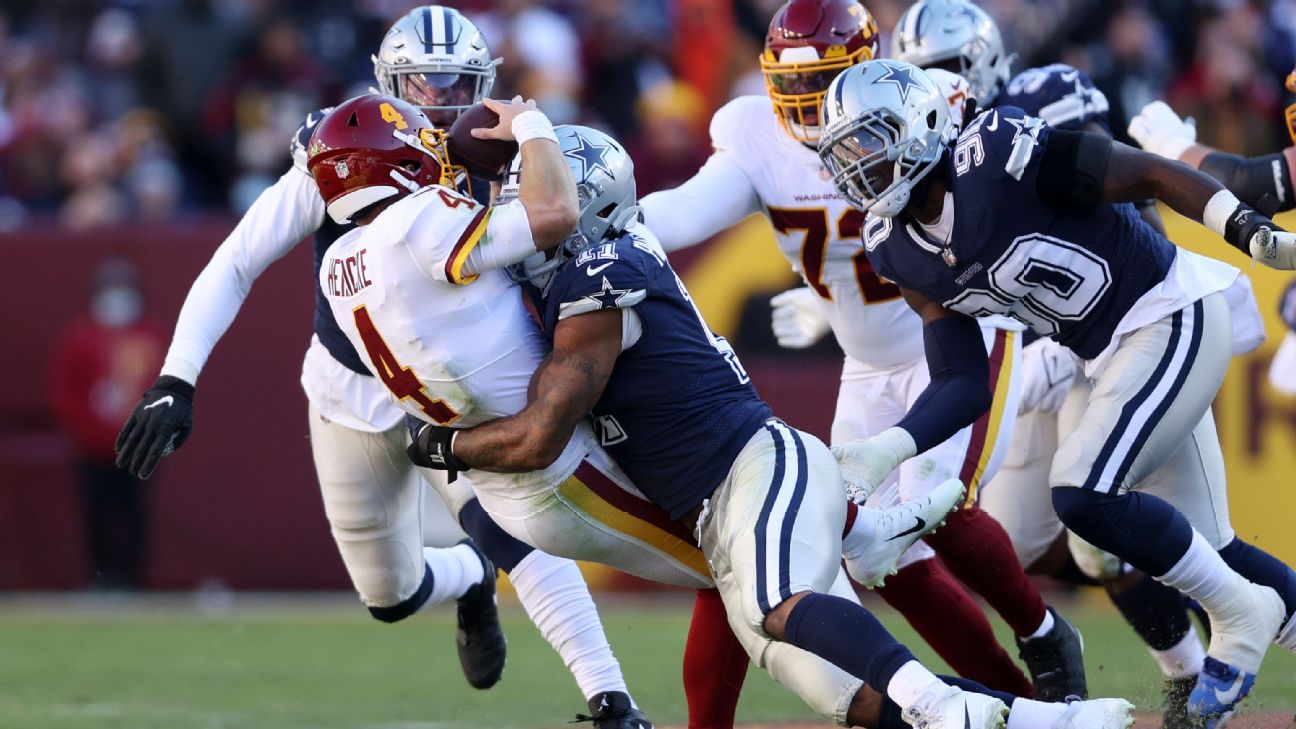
point(404, 181)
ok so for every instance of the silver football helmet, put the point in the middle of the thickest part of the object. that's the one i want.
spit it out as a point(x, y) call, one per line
point(437, 60)
point(886, 126)
point(605, 188)
point(957, 36)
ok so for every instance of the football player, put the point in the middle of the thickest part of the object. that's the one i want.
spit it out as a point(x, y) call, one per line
point(417, 289)
point(1267, 182)
point(1149, 320)
point(765, 161)
point(673, 406)
point(958, 36)
point(434, 58)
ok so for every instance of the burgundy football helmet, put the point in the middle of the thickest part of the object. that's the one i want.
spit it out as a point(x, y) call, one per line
point(1291, 109)
point(371, 148)
point(808, 44)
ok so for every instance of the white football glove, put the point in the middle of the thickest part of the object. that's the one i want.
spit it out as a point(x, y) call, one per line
point(1275, 248)
point(1047, 371)
point(1160, 131)
point(865, 463)
point(797, 320)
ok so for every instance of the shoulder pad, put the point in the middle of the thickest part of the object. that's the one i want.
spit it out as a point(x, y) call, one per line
point(613, 275)
point(1061, 95)
point(1004, 138)
point(301, 137)
point(734, 122)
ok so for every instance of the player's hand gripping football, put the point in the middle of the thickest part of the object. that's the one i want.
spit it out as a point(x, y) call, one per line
point(797, 320)
point(1268, 244)
point(1048, 369)
point(160, 424)
point(507, 111)
point(1160, 131)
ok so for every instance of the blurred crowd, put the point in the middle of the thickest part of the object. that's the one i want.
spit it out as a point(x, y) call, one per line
point(116, 110)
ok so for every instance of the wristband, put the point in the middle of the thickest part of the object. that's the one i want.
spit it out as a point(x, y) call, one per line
point(1218, 210)
point(432, 448)
point(533, 124)
point(898, 442)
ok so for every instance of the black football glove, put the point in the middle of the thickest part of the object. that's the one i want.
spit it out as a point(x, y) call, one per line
point(430, 446)
point(160, 424)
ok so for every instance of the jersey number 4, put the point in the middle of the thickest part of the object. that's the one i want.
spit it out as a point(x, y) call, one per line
point(400, 380)
point(813, 224)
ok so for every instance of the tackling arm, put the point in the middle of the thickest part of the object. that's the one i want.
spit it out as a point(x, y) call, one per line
point(563, 390)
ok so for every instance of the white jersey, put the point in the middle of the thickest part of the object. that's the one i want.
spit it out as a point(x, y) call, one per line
point(757, 167)
point(451, 348)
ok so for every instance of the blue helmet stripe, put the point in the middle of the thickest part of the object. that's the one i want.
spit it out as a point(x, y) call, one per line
point(449, 30)
point(427, 30)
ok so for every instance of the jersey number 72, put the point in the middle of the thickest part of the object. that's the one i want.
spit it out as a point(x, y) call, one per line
point(400, 380)
point(813, 223)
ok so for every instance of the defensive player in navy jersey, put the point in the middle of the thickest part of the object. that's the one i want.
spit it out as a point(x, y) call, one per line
point(958, 36)
point(1012, 217)
point(436, 59)
point(673, 406)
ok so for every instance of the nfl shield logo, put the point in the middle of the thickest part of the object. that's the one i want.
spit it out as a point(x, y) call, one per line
point(342, 170)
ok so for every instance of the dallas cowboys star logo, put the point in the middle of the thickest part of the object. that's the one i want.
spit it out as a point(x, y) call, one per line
point(1084, 92)
point(591, 155)
point(903, 78)
point(609, 297)
point(1029, 126)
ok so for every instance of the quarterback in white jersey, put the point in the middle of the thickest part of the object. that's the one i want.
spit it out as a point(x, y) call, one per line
point(764, 163)
point(373, 496)
point(419, 291)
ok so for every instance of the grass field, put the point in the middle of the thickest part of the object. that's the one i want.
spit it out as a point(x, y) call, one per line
point(319, 662)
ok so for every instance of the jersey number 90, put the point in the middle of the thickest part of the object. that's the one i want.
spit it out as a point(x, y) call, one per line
point(1041, 281)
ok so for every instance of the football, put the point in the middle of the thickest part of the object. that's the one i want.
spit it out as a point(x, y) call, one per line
point(484, 158)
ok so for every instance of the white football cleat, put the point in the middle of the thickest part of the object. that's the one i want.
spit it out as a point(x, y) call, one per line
point(1096, 714)
point(871, 554)
point(949, 707)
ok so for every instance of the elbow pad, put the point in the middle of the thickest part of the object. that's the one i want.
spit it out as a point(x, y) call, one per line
point(1253, 178)
point(1073, 168)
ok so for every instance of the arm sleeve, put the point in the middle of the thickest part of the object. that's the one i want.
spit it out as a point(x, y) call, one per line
point(281, 216)
point(959, 391)
point(507, 240)
point(1253, 178)
point(718, 196)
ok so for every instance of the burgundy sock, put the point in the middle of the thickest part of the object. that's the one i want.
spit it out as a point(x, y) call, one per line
point(977, 550)
point(946, 616)
point(715, 665)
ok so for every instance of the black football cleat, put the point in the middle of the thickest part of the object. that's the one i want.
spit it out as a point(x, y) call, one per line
point(1056, 662)
point(480, 639)
point(613, 710)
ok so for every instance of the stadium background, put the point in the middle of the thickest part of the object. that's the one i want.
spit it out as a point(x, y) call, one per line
point(141, 129)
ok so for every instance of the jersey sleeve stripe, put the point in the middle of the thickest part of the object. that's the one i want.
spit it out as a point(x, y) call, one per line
point(986, 430)
point(471, 237)
point(595, 494)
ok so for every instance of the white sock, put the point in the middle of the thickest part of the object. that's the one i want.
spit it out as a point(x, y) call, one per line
point(1032, 714)
point(862, 533)
point(911, 682)
point(454, 570)
point(1183, 659)
point(555, 596)
point(1044, 626)
point(1204, 576)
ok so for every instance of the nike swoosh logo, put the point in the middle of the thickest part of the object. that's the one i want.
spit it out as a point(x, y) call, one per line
point(1226, 698)
point(168, 401)
point(595, 270)
point(912, 530)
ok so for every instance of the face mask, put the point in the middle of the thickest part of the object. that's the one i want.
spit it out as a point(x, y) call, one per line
point(118, 306)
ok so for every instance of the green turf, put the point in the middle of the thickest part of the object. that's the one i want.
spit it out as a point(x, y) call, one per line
point(321, 665)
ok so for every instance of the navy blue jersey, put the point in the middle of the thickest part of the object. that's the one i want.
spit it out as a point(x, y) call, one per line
point(326, 326)
point(1063, 96)
point(1066, 273)
point(679, 406)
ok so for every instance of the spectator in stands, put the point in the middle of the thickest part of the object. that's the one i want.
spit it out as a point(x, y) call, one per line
point(101, 361)
point(673, 141)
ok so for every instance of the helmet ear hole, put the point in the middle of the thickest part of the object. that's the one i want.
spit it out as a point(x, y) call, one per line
point(931, 118)
point(607, 211)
